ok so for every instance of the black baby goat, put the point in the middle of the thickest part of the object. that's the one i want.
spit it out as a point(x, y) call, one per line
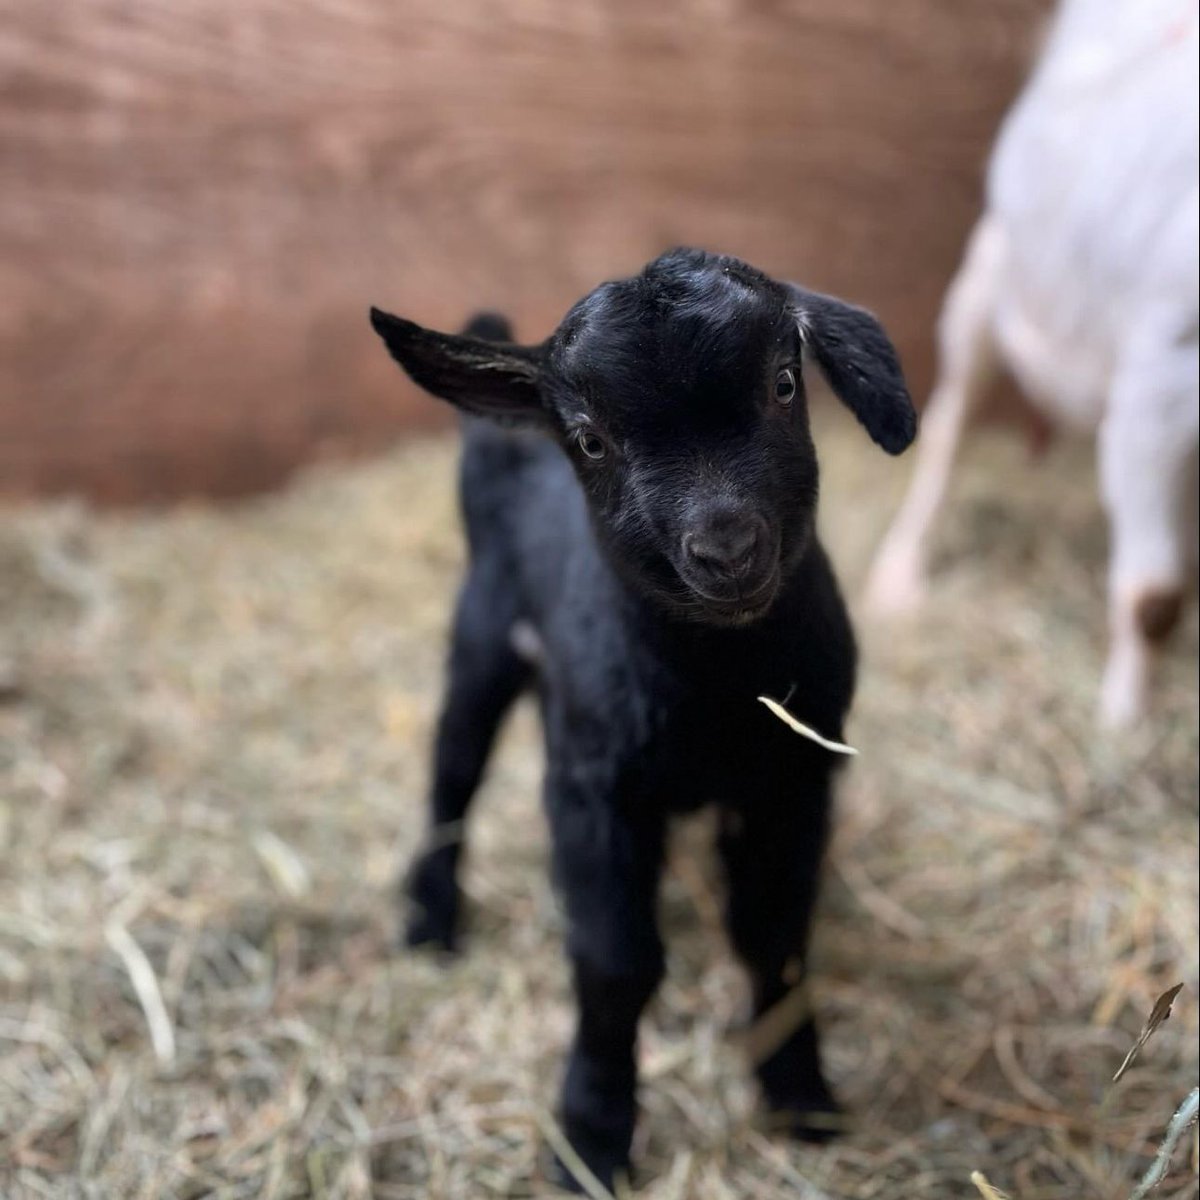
point(640, 511)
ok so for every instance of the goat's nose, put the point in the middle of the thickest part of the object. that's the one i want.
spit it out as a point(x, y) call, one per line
point(727, 549)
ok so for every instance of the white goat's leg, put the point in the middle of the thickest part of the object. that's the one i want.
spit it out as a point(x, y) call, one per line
point(1147, 455)
point(966, 364)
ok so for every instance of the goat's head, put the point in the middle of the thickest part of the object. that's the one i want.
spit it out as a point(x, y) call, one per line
point(678, 395)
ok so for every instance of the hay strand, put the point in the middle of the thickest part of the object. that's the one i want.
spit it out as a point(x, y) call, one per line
point(145, 986)
point(986, 1190)
point(798, 726)
point(1158, 1014)
point(1181, 1122)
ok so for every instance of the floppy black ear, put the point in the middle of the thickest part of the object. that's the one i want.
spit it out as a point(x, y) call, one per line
point(484, 377)
point(859, 361)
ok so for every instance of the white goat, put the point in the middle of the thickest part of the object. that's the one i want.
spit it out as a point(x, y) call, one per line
point(1081, 279)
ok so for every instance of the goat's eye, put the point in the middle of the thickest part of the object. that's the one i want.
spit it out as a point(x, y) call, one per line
point(591, 444)
point(785, 386)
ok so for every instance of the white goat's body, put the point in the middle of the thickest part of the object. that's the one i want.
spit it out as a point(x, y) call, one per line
point(1093, 185)
point(1081, 279)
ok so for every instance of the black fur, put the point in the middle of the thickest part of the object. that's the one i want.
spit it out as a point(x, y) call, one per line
point(861, 366)
point(670, 582)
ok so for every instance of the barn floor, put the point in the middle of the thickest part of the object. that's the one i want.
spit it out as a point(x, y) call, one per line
point(212, 756)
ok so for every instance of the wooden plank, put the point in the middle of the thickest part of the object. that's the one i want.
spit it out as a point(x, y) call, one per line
point(199, 200)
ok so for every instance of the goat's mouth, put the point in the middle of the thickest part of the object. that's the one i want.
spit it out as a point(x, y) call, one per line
point(741, 608)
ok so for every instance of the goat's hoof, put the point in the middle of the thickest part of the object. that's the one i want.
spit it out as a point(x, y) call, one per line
point(895, 588)
point(1122, 696)
point(1117, 715)
point(816, 1119)
point(431, 899)
point(421, 930)
point(605, 1168)
point(434, 925)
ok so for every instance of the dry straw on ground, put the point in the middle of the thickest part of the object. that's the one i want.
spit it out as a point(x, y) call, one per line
point(212, 755)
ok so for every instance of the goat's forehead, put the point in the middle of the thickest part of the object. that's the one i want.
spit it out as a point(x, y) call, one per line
point(630, 338)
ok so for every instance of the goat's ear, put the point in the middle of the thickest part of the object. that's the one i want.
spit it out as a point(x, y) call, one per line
point(480, 376)
point(860, 364)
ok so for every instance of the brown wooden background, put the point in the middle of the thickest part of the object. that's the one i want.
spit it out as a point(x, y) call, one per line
point(199, 200)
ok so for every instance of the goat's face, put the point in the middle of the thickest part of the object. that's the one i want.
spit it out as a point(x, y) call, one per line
point(679, 397)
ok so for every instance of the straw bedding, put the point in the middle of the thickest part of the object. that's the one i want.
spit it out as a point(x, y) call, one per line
point(213, 729)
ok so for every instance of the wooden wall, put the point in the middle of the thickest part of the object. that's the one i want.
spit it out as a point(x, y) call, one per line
point(198, 200)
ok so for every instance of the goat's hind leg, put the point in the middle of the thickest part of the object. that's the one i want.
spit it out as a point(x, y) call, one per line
point(1148, 464)
point(485, 676)
point(772, 851)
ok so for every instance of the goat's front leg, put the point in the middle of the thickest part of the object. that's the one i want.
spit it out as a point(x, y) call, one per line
point(607, 865)
point(772, 849)
point(966, 365)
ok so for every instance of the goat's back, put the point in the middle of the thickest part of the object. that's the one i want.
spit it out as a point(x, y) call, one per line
point(522, 509)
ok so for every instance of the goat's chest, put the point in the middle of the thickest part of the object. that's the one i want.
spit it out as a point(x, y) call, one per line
point(650, 735)
point(728, 748)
